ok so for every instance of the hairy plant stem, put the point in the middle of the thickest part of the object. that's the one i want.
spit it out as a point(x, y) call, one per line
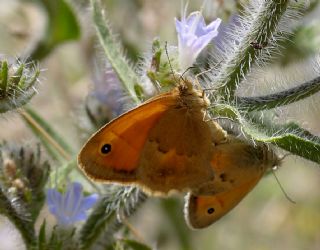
point(279, 99)
point(263, 26)
point(104, 219)
point(25, 227)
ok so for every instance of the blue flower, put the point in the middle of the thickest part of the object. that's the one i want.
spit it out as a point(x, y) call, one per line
point(193, 36)
point(71, 206)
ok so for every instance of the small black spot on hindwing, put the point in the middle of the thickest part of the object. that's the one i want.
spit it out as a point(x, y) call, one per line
point(162, 150)
point(210, 210)
point(223, 177)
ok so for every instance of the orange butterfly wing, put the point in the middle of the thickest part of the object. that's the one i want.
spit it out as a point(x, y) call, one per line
point(162, 145)
point(202, 211)
point(238, 167)
point(126, 136)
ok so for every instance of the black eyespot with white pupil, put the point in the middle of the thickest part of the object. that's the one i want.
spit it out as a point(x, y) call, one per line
point(210, 210)
point(106, 148)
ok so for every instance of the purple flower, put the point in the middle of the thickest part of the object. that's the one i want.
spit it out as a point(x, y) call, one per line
point(107, 88)
point(71, 206)
point(193, 36)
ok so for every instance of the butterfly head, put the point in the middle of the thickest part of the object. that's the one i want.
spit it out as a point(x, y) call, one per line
point(190, 96)
point(270, 158)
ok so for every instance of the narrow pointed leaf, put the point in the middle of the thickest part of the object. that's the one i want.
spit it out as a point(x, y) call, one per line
point(54, 143)
point(62, 26)
point(42, 237)
point(290, 137)
point(4, 77)
point(113, 52)
point(135, 245)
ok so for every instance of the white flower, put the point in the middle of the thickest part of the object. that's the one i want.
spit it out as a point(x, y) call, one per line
point(193, 36)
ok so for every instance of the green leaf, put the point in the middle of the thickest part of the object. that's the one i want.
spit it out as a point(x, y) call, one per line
point(135, 245)
point(160, 70)
point(42, 236)
point(113, 52)
point(62, 26)
point(56, 146)
point(4, 77)
point(16, 78)
point(290, 137)
point(225, 110)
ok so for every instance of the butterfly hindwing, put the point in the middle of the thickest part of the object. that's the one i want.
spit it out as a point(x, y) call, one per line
point(238, 167)
point(203, 210)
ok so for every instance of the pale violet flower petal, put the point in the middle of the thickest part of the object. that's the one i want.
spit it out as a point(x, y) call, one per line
point(53, 198)
point(193, 36)
point(70, 207)
point(73, 197)
point(80, 216)
point(88, 201)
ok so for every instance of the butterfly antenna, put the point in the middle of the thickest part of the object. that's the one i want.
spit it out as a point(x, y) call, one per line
point(284, 156)
point(167, 53)
point(184, 72)
point(202, 73)
point(282, 189)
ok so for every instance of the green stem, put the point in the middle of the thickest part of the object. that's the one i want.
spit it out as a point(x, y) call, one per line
point(103, 221)
point(25, 228)
point(263, 25)
point(281, 98)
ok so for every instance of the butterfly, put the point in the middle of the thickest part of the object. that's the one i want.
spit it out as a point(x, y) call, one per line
point(238, 166)
point(165, 144)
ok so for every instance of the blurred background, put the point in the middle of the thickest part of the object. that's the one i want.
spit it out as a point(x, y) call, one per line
point(265, 219)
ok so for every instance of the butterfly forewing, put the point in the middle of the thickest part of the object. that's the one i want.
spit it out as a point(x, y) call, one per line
point(126, 136)
point(164, 144)
point(178, 150)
